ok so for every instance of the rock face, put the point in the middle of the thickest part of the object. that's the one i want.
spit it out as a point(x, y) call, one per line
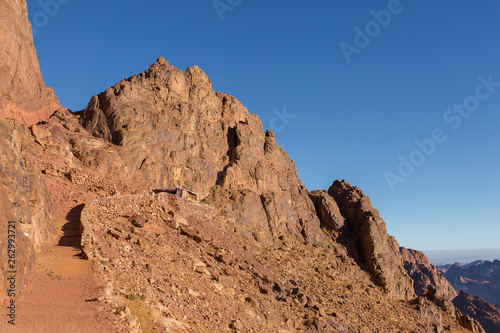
point(23, 94)
point(172, 129)
point(346, 209)
point(24, 200)
point(424, 274)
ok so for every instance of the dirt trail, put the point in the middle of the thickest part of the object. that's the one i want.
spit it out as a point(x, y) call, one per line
point(62, 293)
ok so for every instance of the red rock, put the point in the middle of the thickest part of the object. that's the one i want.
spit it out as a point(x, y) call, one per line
point(23, 95)
point(172, 128)
point(424, 274)
point(366, 230)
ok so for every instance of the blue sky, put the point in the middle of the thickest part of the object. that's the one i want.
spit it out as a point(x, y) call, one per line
point(354, 120)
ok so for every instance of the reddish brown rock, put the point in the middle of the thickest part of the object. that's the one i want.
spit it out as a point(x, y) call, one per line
point(23, 94)
point(476, 307)
point(24, 200)
point(327, 209)
point(379, 251)
point(424, 274)
point(474, 313)
point(171, 127)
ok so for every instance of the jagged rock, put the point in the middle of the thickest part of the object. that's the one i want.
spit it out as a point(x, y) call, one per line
point(327, 209)
point(23, 94)
point(159, 122)
point(379, 251)
point(429, 314)
point(467, 322)
point(424, 274)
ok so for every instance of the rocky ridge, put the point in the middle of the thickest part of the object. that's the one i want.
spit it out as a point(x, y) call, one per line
point(173, 130)
point(73, 162)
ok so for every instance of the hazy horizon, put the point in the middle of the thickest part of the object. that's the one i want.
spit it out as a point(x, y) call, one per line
point(463, 256)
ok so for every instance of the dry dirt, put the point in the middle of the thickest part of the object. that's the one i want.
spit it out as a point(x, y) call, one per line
point(63, 291)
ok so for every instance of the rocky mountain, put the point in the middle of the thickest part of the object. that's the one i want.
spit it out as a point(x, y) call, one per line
point(427, 279)
point(481, 278)
point(249, 249)
point(173, 130)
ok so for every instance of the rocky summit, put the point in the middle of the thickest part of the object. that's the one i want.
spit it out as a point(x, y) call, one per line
point(164, 206)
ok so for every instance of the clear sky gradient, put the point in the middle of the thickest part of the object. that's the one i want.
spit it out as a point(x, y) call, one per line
point(360, 81)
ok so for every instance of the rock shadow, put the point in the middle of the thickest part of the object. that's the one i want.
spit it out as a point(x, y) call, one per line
point(72, 235)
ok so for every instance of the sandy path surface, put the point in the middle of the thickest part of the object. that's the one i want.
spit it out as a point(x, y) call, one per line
point(62, 293)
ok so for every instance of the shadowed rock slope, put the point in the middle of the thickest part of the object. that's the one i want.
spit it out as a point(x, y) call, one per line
point(427, 280)
point(346, 210)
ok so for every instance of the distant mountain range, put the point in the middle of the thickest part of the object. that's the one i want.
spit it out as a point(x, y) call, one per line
point(478, 278)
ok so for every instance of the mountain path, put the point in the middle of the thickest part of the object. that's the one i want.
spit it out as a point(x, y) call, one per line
point(62, 293)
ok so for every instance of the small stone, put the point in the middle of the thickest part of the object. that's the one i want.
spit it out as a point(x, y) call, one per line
point(226, 281)
point(119, 310)
point(302, 299)
point(264, 289)
point(319, 310)
point(114, 233)
point(137, 220)
point(202, 270)
point(277, 288)
point(226, 259)
point(237, 325)
point(198, 262)
point(193, 293)
point(191, 233)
